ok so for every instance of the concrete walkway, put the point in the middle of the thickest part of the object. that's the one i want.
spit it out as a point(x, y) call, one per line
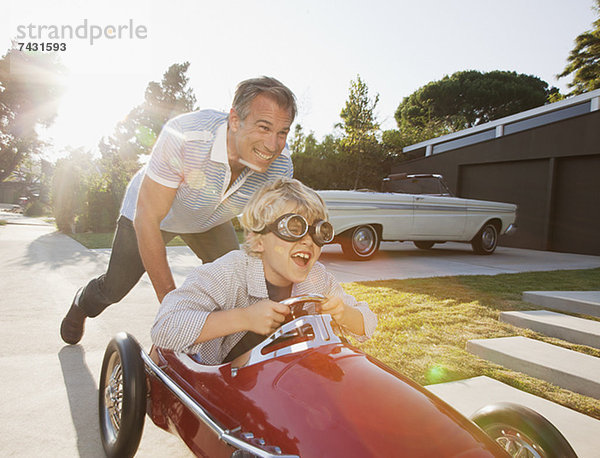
point(403, 260)
point(468, 396)
point(565, 327)
point(49, 390)
point(574, 371)
point(569, 369)
point(583, 302)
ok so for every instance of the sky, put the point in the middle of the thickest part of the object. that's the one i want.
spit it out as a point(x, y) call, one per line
point(315, 47)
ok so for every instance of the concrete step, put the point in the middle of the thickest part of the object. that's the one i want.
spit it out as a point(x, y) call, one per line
point(470, 395)
point(583, 302)
point(565, 368)
point(552, 324)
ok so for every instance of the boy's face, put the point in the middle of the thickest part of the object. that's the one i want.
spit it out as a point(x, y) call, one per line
point(287, 262)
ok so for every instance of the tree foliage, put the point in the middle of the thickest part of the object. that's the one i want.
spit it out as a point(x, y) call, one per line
point(29, 90)
point(136, 134)
point(395, 140)
point(68, 188)
point(88, 192)
point(355, 159)
point(469, 98)
point(318, 165)
point(584, 60)
point(358, 115)
point(363, 156)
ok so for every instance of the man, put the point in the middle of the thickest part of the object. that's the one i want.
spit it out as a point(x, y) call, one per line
point(203, 169)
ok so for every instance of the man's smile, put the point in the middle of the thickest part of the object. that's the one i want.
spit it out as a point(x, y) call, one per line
point(264, 156)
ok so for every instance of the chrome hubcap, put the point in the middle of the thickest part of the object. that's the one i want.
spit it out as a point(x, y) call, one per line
point(516, 444)
point(363, 241)
point(488, 238)
point(517, 447)
point(113, 397)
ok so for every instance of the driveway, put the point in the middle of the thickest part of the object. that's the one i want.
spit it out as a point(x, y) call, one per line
point(49, 390)
point(397, 260)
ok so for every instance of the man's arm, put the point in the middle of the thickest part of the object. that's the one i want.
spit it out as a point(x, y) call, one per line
point(154, 202)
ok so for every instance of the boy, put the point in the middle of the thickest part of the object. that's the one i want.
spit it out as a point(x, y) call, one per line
point(237, 295)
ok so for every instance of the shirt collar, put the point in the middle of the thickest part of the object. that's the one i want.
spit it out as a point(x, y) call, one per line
point(218, 152)
point(257, 285)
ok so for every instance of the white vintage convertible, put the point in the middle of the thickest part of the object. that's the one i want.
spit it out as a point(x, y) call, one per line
point(420, 209)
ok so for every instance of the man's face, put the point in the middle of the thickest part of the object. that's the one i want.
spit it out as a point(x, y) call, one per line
point(259, 139)
point(287, 262)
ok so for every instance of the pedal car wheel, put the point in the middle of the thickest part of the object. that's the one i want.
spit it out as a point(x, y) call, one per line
point(122, 397)
point(522, 432)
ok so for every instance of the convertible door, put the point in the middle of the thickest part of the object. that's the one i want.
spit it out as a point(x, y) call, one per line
point(441, 218)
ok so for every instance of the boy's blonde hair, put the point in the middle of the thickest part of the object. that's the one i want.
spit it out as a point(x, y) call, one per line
point(270, 202)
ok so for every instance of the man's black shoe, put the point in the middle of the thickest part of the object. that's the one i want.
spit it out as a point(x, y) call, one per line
point(71, 328)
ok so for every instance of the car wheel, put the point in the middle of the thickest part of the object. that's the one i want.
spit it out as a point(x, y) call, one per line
point(522, 432)
point(486, 240)
point(362, 243)
point(424, 245)
point(122, 397)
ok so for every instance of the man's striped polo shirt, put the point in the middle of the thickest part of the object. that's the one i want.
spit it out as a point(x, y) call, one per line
point(190, 155)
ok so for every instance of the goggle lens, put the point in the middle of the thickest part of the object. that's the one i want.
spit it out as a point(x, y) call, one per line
point(323, 230)
point(294, 225)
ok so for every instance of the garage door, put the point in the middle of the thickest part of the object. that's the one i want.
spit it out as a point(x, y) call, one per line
point(576, 217)
point(524, 183)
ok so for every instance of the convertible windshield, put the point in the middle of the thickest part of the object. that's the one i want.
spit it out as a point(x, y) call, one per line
point(430, 185)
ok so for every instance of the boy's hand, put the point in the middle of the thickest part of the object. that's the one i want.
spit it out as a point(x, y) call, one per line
point(349, 317)
point(265, 316)
point(334, 306)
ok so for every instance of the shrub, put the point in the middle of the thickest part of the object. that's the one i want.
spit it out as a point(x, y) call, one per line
point(35, 208)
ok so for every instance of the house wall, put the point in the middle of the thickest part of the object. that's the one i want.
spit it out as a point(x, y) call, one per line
point(552, 172)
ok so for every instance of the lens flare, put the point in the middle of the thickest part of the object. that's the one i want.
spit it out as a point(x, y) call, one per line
point(436, 373)
point(146, 136)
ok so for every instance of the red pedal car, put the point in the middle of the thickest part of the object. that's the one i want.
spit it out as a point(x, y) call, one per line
point(302, 392)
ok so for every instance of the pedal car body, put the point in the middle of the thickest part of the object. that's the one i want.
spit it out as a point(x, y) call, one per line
point(303, 392)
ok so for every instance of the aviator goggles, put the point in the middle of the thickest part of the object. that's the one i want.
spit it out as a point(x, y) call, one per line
point(292, 227)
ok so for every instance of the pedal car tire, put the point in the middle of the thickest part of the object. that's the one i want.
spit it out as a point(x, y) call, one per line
point(122, 397)
point(517, 429)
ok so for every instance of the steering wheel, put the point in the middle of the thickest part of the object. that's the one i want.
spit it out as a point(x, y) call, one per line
point(296, 305)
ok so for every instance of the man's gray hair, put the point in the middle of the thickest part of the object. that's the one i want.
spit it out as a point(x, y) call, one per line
point(247, 90)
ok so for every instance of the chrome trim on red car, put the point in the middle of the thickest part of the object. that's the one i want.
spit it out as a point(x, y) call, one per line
point(227, 436)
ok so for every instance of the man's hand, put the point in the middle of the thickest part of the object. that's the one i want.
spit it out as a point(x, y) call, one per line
point(265, 316)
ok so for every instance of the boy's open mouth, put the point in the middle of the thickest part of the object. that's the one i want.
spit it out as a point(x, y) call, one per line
point(301, 258)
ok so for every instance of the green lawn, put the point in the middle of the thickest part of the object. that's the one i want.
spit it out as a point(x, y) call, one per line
point(424, 325)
